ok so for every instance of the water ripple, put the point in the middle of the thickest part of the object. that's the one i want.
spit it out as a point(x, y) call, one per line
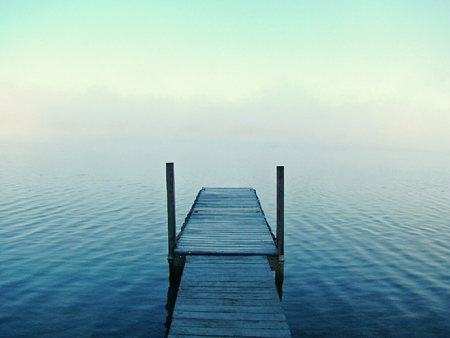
point(77, 259)
point(372, 264)
point(367, 254)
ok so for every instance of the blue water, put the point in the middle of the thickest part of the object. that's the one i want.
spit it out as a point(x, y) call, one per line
point(83, 235)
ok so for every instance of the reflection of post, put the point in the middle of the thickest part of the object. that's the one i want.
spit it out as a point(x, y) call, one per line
point(172, 292)
point(170, 183)
point(279, 278)
point(279, 274)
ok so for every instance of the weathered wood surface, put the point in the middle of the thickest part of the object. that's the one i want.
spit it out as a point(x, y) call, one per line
point(228, 296)
point(226, 221)
point(170, 184)
point(280, 210)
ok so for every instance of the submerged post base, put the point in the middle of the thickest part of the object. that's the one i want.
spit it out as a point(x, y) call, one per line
point(176, 265)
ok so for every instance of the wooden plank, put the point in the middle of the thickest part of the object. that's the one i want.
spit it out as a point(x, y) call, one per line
point(236, 293)
point(236, 244)
point(221, 284)
point(232, 328)
point(234, 323)
point(217, 231)
point(209, 251)
point(235, 304)
point(226, 237)
point(232, 237)
point(246, 311)
point(220, 278)
point(201, 260)
point(230, 316)
point(230, 271)
point(235, 236)
point(204, 336)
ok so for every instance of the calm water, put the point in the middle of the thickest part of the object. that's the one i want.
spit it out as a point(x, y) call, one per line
point(83, 236)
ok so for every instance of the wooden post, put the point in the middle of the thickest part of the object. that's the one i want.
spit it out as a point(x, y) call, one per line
point(172, 234)
point(280, 213)
point(279, 273)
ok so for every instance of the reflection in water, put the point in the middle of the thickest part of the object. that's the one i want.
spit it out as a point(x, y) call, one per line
point(279, 279)
point(175, 272)
point(367, 236)
point(172, 292)
point(277, 265)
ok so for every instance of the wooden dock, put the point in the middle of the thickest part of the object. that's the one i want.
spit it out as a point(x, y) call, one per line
point(226, 221)
point(225, 251)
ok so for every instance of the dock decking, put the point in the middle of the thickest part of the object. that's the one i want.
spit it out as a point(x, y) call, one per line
point(228, 296)
point(226, 221)
point(227, 288)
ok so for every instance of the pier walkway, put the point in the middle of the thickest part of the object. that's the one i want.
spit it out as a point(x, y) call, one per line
point(227, 288)
point(226, 221)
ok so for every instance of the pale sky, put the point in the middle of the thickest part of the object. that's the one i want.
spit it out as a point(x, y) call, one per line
point(346, 73)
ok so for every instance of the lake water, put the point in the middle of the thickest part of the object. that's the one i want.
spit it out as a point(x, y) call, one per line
point(83, 241)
